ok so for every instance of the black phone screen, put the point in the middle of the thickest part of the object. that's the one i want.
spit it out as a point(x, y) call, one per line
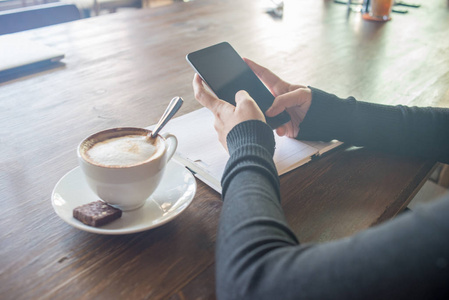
point(226, 73)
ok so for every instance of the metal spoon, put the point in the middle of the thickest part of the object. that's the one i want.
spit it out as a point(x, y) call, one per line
point(174, 105)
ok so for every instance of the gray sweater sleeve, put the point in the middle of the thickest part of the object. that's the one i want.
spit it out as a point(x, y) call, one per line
point(259, 257)
point(417, 131)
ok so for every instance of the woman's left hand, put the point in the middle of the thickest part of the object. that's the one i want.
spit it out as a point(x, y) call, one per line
point(226, 114)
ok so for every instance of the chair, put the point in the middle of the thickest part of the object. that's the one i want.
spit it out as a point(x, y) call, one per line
point(36, 16)
point(90, 8)
point(113, 5)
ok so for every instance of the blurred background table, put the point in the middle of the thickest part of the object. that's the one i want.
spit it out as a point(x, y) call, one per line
point(122, 69)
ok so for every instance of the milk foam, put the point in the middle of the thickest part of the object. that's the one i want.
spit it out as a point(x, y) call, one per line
point(122, 151)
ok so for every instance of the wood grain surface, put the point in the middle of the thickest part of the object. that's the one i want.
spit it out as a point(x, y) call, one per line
point(122, 69)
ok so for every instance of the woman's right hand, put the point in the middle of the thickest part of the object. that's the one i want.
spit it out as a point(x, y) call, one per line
point(295, 99)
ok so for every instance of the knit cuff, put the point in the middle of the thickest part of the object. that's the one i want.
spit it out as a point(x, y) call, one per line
point(251, 147)
point(327, 117)
point(251, 132)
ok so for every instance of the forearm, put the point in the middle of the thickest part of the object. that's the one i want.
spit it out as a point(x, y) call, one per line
point(258, 256)
point(403, 259)
point(252, 223)
point(418, 131)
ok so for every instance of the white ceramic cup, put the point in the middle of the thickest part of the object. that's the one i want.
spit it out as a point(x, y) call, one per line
point(126, 187)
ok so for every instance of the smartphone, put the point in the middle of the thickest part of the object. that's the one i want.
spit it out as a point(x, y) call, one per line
point(226, 73)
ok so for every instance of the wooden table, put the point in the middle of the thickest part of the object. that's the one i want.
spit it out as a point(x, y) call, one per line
point(122, 69)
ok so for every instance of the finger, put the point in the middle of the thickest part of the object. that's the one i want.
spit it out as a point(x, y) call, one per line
point(243, 101)
point(287, 100)
point(281, 131)
point(203, 96)
point(246, 104)
point(219, 126)
point(276, 85)
point(241, 96)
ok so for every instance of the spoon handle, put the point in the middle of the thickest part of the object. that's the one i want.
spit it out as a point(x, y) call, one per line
point(174, 105)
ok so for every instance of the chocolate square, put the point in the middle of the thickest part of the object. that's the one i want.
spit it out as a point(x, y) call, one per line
point(96, 213)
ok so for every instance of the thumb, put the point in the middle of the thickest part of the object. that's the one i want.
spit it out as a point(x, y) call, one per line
point(242, 96)
point(294, 98)
point(243, 101)
point(275, 84)
point(206, 98)
point(281, 130)
point(246, 107)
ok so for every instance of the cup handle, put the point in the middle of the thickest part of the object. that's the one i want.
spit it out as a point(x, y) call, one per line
point(172, 142)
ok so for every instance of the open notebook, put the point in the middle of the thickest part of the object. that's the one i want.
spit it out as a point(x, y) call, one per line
point(200, 150)
point(17, 52)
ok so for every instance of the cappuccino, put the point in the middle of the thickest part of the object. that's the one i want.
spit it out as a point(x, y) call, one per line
point(122, 151)
point(122, 167)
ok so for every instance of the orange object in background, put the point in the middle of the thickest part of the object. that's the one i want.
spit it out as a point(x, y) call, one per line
point(379, 10)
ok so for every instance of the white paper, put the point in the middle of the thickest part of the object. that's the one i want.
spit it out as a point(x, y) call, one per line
point(200, 150)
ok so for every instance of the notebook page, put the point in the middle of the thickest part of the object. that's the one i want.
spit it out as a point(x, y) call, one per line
point(291, 153)
point(323, 147)
point(198, 143)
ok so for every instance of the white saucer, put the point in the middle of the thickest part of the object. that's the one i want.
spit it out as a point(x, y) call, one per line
point(173, 196)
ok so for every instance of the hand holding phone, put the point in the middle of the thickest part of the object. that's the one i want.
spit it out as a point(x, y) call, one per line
point(225, 72)
point(226, 116)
